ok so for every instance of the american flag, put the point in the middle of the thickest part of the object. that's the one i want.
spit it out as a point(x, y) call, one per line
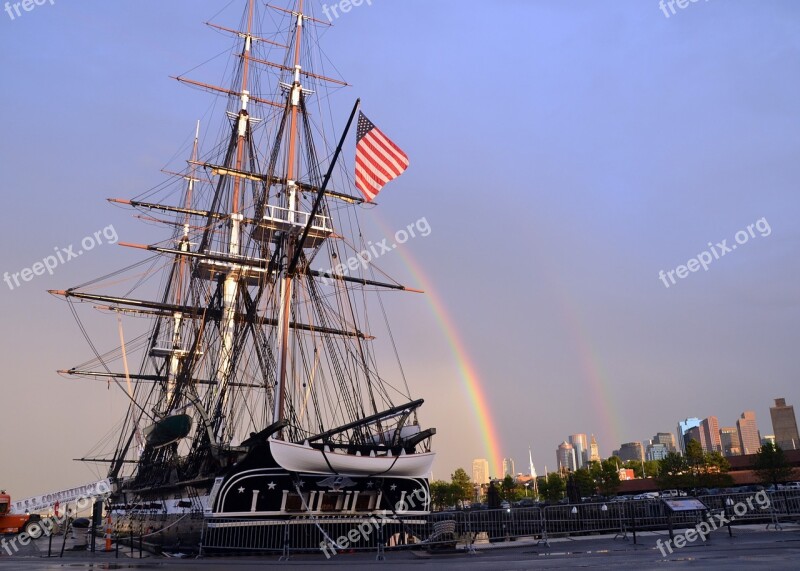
point(378, 160)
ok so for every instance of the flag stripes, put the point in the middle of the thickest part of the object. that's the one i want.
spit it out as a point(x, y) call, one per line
point(378, 159)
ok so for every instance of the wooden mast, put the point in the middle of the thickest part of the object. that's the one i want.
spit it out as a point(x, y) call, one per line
point(177, 317)
point(231, 284)
point(284, 314)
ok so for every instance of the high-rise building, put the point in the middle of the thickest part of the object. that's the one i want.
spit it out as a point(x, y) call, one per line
point(749, 440)
point(480, 471)
point(631, 451)
point(565, 454)
point(768, 438)
point(578, 442)
point(694, 433)
point(667, 439)
point(710, 432)
point(729, 440)
point(784, 425)
point(508, 467)
point(683, 426)
point(594, 450)
point(656, 451)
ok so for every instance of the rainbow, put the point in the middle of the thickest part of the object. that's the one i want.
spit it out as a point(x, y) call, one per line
point(609, 433)
point(468, 373)
point(610, 430)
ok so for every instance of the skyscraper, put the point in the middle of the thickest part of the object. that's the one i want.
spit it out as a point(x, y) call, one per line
point(566, 456)
point(656, 451)
point(631, 451)
point(784, 425)
point(683, 426)
point(729, 440)
point(694, 433)
point(667, 439)
point(594, 450)
point(710, 432)
point(578, 442)
point(508, 467)
point(749, 440)
point(480, 471)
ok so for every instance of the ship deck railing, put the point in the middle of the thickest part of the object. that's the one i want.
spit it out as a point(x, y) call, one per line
point(280, 216)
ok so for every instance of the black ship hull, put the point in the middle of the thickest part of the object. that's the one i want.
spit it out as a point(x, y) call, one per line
point(248, 505)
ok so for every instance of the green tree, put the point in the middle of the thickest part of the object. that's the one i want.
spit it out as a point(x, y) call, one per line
point(673, 472)
point(651, 468)
point(552, 487)
point(508, 490)
point(714, 472)
point(648, 468)
point(441, 494)
point(541, 487)
point(697, 469)
point(694, 458)
point(606, 475)
point(771, 466)
point(463, 488)
point(585, 481)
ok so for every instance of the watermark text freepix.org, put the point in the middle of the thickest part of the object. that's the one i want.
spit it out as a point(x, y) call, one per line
point(61, 256)
point(705, 258)
point(361, 533)
point(703, 529)
point(375, 250)
point(681, 4)
point(15, 9)
point(342, 7)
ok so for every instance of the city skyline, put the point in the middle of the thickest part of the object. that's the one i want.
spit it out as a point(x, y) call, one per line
point(707, 430)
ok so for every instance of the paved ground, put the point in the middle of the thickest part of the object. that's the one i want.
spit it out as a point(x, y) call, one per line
point(751, 548)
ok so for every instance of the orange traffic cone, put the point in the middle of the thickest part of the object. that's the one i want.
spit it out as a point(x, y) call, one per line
point(108, 532)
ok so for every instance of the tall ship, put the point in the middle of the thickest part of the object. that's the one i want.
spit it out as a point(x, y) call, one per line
point(247, 340)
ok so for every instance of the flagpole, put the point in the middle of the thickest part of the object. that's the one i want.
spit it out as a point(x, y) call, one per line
point(321, 193)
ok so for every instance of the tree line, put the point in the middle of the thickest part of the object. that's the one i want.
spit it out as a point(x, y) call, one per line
point(695, 470)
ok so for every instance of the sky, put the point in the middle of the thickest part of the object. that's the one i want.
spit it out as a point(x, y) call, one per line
point(563, 154)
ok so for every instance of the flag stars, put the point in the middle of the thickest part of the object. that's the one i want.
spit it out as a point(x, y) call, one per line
point(393, 487)
point(241, 489)
point(271, 485)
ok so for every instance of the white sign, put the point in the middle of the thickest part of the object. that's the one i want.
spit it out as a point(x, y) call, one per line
point(47, 501)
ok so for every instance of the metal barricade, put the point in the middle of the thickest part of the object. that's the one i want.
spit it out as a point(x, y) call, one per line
point(333, 535)
point(244, 535)
point(492, 525)
point(448, 530)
